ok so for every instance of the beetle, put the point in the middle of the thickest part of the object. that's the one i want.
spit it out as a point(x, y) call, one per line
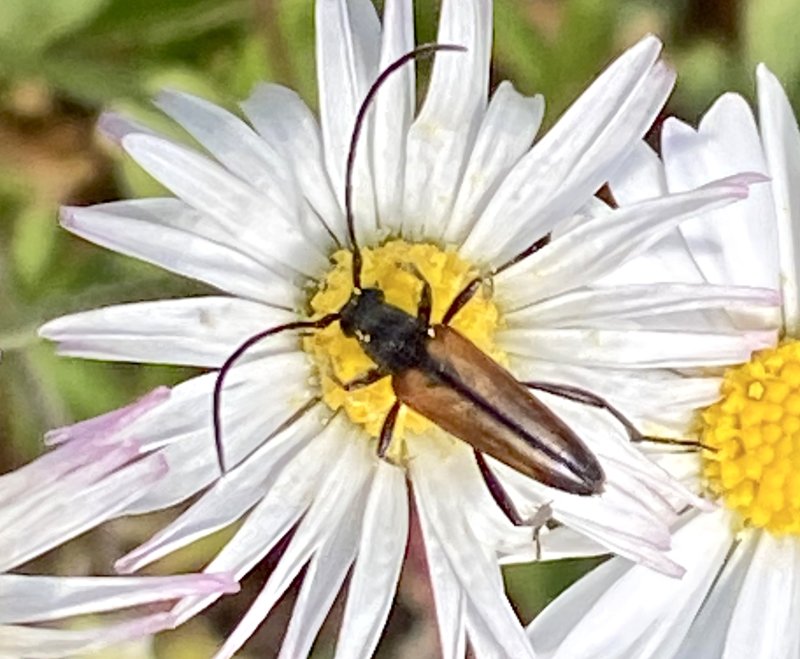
point(443, 376)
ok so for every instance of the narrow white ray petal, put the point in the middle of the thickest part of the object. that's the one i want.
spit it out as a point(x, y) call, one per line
point(335, 500)
point(726, 142)
point(576, 156)
point(259, 225)
point(326, 571)
point(448, 595)
point(636, 348)
point(297, 486)
point(506, 133)
point(393, 113)
point(440, 138)
point(254, 407)
point(198, 331)
point(236, 146)
point(765, 613)
point(348, 50)
point(642, 177)
point(639, 393)
point(44, 643)
point(28, 598)
point(639, 177)
point(283, 119)
point(598, 307)
point(436, 480)
point(178, 238)
point(594, 617)
point(781, 140)
point(380, 556)
point(230, 497)
point(69, 516)
point(709, 627)
point(599, 245)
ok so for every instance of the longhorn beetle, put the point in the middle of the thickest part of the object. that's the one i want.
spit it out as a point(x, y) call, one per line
point(443, 376)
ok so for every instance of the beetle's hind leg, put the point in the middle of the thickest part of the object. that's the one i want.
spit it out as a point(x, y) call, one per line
point(584, 397)
point(504, 502)
point(425, 297)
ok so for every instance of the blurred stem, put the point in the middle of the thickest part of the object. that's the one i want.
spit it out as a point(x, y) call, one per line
point(269, 25)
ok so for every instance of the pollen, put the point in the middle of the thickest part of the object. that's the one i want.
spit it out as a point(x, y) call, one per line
point(390, 267)
point(753, 435)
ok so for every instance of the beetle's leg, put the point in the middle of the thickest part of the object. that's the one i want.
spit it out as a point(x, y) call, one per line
point(386, 430)
point(593, 400)
point(504, 502)
point(370, 377)
point(425, 297)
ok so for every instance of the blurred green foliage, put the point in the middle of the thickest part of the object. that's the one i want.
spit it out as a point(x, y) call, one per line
point(64, 61)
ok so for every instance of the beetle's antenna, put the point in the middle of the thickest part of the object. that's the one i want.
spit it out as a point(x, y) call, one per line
point(426, 50)
point(233, 358)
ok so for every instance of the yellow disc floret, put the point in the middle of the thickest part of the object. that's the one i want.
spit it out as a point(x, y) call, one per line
point(754, 436)
point(340, 359)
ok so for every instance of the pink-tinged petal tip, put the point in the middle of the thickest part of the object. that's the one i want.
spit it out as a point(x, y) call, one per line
point(116, 127)
point(66, 216)
point(105, 425)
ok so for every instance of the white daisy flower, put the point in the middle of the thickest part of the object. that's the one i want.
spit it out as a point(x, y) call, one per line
point(54, 499)
point(456, 193)
point(740, 596)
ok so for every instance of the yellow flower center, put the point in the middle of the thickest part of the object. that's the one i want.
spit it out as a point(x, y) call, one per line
point(340, 359)
point(754, 434)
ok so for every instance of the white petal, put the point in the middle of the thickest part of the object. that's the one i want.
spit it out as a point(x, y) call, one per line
point(448, 596)
point(706, 637)
point(325, 574)
point(393, 113)
point(575, 157)
point(348, 46)
point(288, 499)
point(635, 348)
point(253, 407)
point(230, 497)
point(597, 246)
point(726, 142)
point(640, 177)
point(507, 132)
point(26, 598)
point(594, 617)
point(781, 139)
point(178, 238)
point(440, 138)
point(338, 497)
point(380, 557)
point(43, 643)
point(236, 146)
point(260, 226)
point(284, 120)
point(199, 331)
point(75, 509)
point(763, 622)
point(472, 562)
point(606, 307)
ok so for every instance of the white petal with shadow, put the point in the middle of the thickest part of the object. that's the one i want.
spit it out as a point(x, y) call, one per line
point(199, 331)
point(440, 138)
point(781, 142)
point(506, 133)
point(381, 550)
point(172, 235)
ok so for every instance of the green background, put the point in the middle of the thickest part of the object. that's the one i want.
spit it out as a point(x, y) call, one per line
point(63, 61)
